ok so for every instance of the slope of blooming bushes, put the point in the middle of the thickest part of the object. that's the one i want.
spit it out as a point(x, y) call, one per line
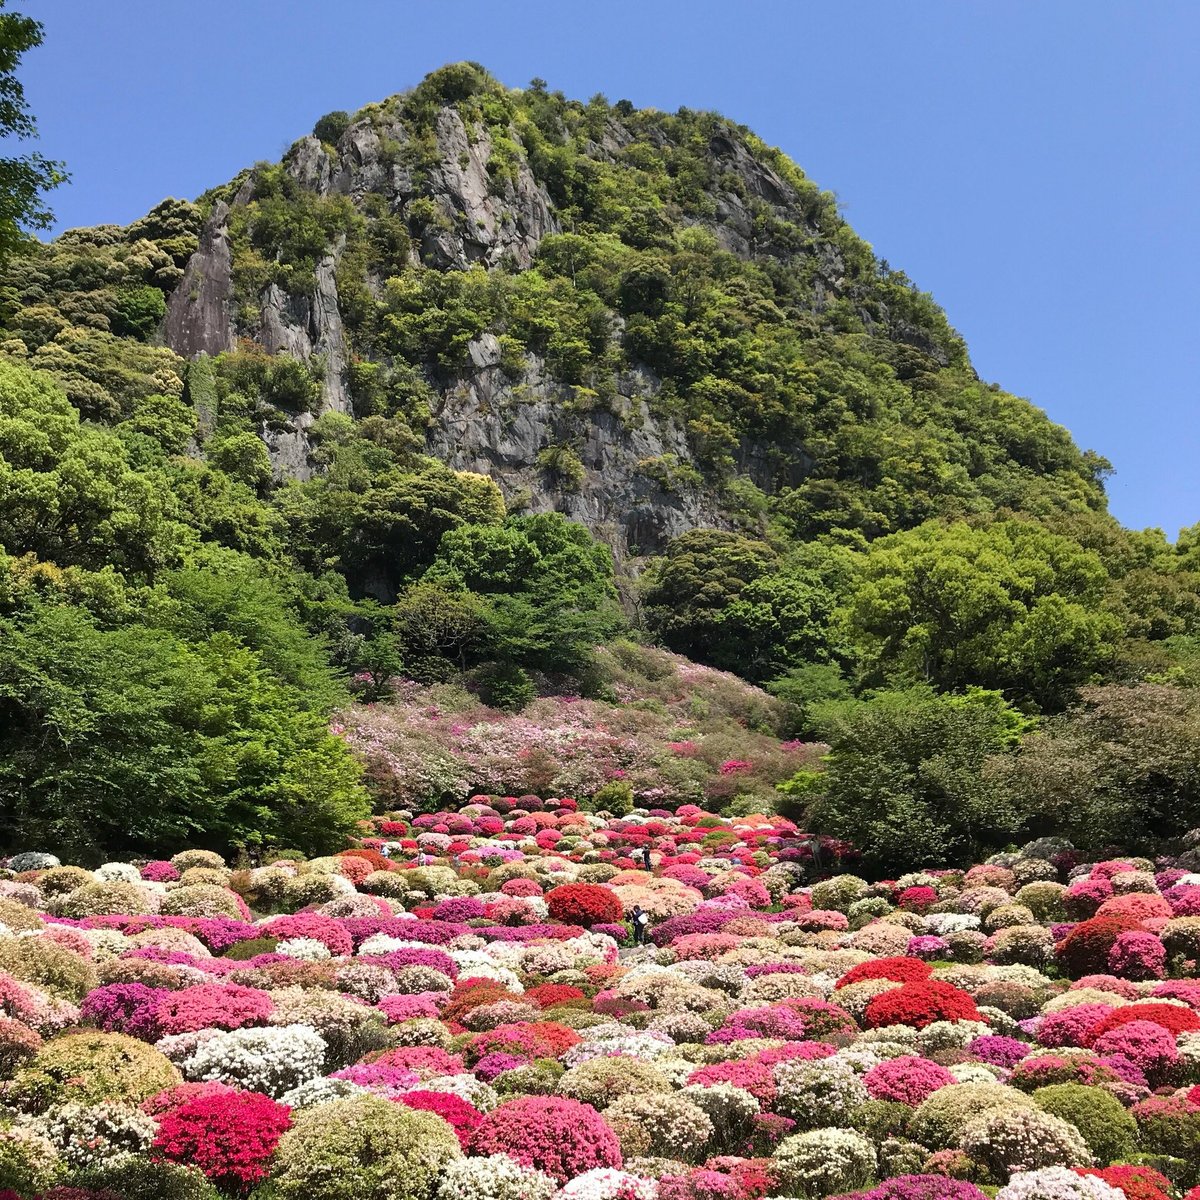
point(670, 730)
point(453, 1010)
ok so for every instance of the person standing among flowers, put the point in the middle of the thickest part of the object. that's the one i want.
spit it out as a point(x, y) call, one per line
point(646, 859)
point(639, 919)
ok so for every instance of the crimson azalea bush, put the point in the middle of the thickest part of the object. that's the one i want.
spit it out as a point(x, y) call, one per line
point(230, 1137)
point(920, 1004)
point(584, 904)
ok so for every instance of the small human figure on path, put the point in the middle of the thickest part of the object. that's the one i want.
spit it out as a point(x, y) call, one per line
point(646, 858)
point(639, 919)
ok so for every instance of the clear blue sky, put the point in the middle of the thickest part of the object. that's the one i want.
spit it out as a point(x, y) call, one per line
point(1034, 164)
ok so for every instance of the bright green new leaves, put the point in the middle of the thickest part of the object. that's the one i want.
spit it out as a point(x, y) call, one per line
point(132, 738)
point(1009, 606)
point(69, 493)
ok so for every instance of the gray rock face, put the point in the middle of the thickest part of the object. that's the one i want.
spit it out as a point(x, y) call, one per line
point(639, 487)
point(488, 426)
point(199, 316)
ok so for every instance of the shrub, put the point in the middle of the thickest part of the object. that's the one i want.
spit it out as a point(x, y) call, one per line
point(1106, 1126)
point(921, 1004)
point(666, 1125)
point(144, 1179)
point(1169, 1125)
point(212, 1006)
point(939, 1121)
point(363, 1148)
point(462, 1117)
point(908, 1079)
point(496, 1177)
point(18, 1044)
point(815, 1093)
point(52, 967)
point(89, 1068)
point(1005, 1140)
point(272, 1061)
point(585, 904)
point(561, 1137)
point(901, 970)
point(86, 1135)
point(28, 1162)
point(600, 1081)
point(1085, 949)
point(230, 1137)
point(823, 1161)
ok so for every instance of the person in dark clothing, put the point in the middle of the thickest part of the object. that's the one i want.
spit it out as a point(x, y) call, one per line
point(646, 858)
point(639, 920)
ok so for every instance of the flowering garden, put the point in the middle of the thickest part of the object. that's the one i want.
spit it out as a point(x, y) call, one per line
point(453, 1010)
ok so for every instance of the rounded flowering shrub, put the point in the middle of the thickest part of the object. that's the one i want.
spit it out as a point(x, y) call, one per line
point(212, 1006)
point(900, 970)
point(561, 1137)
point(1103, 1121)
point(908, 1079)
point(939, 1121)
point(1146, 1044)
point(363, 1148)
point(462, 1117)
point(1007, 1140)
point(1085, 949)
point(1138, 954)
point(231, 1137)
point(665, 1125)
point(923, 1187)
point(818, 1093)
point(585, 904)
point(921, 1004)
point(494, 1177)
point(86, 1135)
point(1057, 1183)
point(89, 1068)
point(823, 1162)
point(272, 1061)
point(599, 1081)
point(1169, 1125)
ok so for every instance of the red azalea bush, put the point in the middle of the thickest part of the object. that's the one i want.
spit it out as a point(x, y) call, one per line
point(899, 970)
point(585, 904)
point(1138, 1183)
point(1172, 1017)
point(920, 1004)
point(549, 994)
point(462, 1117)
point(1085, 949)
point(231, 1138)
point(562, 1137)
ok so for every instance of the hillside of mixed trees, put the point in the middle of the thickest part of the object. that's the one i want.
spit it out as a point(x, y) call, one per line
point(477, 380)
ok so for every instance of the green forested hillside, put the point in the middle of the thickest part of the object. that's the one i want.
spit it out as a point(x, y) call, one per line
point(477, 379)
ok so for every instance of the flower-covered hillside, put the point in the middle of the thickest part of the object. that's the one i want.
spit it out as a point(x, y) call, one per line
point(668, 732)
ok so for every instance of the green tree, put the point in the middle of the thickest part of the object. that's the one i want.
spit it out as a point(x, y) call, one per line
point(1121, 768)
point(1008, 605)
point(904, 778)
point(23, 178)
point(701, 575)
point(129, 738)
